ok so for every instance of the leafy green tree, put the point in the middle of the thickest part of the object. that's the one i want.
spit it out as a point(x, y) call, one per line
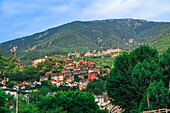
point(71, 101)
point(145, 52)
point(96, 86)
point(11, 102)
point(30, 73)
point(164, 63)
point(143, 74)
point(158, 97)
point(28, 87)
point(11, 84)
point(46, 83)
point(24, 106)
point(3, 103)
point(49, 77)
point(85, 76)
point(121, 84)
point(56, 110)
point(34, 97)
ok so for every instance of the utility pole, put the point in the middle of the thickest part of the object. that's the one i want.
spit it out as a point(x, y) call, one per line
point(17, 101)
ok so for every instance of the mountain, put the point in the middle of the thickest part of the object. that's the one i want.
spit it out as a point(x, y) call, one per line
point(88, 35)
point(6, 53)
point(163, 43)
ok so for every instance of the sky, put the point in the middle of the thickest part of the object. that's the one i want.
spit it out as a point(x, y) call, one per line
point(19, 18)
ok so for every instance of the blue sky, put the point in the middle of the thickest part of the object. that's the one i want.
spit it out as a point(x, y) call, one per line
point(20, 18)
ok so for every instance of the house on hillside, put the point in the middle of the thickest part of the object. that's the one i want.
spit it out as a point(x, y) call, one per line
point(92, 75)
point(74, 54)
point(54, 82)
point(86, 64)
point(83, 83)
point(80, 73)
point(69, 63)
point(69, 76)
point(44, 78)
point(115, 54)
point(100, 101)
point(88, 54)
point(113, 50)
point(36, 61)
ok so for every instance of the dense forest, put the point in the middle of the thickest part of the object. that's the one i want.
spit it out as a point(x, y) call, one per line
point(139, 75)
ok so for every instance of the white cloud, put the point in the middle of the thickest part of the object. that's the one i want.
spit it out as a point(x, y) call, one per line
point(146, 9)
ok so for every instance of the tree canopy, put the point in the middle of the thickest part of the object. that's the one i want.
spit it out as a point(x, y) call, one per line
point(133, 73)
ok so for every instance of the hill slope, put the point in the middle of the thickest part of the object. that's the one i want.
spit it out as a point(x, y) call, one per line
point(163, 43)
point(89, 35)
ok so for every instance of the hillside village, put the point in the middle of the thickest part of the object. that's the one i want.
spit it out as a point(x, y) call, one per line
point(68, 74)
point(83, 70)
point(73, 69)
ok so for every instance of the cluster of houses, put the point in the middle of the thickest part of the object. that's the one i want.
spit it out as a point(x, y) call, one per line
point(113, 52)
point(73, 69)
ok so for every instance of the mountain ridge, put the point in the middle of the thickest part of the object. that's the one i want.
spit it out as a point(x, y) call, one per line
point(81, 36)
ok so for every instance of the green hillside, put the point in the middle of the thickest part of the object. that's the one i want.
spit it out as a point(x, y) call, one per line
point(162, 44)
point(6, 53)
point(89, 35)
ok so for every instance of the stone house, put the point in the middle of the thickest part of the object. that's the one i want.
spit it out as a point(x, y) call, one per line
point(44, 78)
point(80, 73)
point(83, 83)
point(69, 76)
point(69, 63)
point(36, 61)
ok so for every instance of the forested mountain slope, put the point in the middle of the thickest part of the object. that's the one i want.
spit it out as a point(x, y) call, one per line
point(88, 35)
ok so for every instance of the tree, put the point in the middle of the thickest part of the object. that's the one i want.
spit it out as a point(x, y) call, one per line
point(158, 97)
point(46, 83)
point(164, 63)
point(3, 103)
point(143, 74)
point(49, 77)
point(96, 86)
point(85, 76)
point(56, 110)
point(77, 79)
point(28, 87)
point(71, 101)
point(11, 84)
point(34, 97)
point(121, 85)
point(24, 106)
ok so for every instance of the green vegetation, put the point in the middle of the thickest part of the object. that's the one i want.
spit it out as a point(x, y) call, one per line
point(3, 103)
point(71, 102)
point(137, 74)
point(82, 36)
point(162, 44)
point(11, 68)
point(96, 87)
point(136, 78)
point(11, 84)
point(61, 102)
